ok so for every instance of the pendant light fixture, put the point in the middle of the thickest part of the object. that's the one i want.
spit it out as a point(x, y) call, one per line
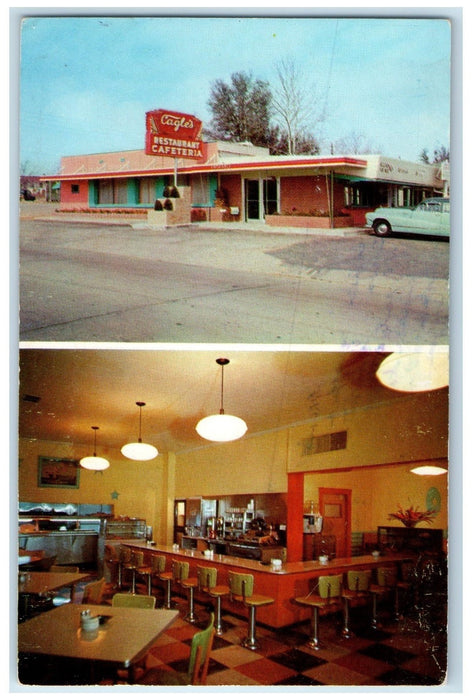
point(221, 427)
point(429, 470)
point(414, 371)
point(94, 463)
point(139, 451)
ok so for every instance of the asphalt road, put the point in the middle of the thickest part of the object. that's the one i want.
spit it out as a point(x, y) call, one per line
point(105, 283)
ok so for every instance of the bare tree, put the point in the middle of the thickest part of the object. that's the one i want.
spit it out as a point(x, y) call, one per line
point(293, 106)
point(354, 143)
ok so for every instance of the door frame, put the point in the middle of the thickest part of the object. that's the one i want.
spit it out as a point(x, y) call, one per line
point(326, 491)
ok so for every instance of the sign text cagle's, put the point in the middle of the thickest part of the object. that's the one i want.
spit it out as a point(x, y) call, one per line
point(173, 134)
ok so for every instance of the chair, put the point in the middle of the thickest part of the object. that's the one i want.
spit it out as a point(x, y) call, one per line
point(93, 592)
point(356, 593)
point(158, 565)
point(133, 600)
point(242, 590)
point(328, 601)
point(387, 577)
point(199, 660)
point(207, 577)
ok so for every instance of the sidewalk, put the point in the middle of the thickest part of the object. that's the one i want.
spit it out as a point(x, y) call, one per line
point(47, 211)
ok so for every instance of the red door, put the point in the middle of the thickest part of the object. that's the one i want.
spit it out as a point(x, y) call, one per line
point(335, 507)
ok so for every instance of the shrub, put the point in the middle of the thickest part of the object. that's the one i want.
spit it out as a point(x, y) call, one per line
point(168, 206)
point(157, 205)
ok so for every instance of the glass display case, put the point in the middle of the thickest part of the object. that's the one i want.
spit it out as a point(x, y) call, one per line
point(126, 529)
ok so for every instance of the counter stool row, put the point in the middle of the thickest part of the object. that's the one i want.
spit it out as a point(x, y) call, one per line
point(332, 594)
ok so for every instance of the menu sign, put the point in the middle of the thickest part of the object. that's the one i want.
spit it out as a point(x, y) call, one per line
point(173, 134)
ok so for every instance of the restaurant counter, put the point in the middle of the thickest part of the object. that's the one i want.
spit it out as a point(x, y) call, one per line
point(293, 580)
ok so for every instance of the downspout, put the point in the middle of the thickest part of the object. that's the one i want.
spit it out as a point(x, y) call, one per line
point(329, 196)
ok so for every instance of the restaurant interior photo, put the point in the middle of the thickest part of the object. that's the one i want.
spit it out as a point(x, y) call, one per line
point(230, 517)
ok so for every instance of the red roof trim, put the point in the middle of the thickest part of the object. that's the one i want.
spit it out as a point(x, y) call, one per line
point(260, 165)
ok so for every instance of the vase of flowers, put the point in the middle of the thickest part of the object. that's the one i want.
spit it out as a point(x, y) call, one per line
point(410, 517)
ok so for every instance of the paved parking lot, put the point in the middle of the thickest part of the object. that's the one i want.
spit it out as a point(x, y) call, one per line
point(101, 282)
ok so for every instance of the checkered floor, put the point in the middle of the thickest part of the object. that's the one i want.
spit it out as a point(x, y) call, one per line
point(411, 652)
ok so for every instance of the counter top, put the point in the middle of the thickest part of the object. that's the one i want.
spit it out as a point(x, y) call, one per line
point(299, 567)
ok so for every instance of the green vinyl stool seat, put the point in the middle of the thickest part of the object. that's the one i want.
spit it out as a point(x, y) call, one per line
point(328, 600)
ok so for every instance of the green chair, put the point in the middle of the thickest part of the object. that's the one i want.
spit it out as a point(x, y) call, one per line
point(178, 570)
point(241, 588)
point(355, 593)
point(133, 600)
point(199, 660)
point(328, 600)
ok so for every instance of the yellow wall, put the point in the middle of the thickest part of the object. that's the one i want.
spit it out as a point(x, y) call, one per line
point(253, 465)
point(139, 485)
point(376, 492)
point(408, 429)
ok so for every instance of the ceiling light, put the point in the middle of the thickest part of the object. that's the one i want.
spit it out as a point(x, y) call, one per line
point(429, 470)
point(414, 371)
point(221, 427)
point(94, 463)
point(139, 451)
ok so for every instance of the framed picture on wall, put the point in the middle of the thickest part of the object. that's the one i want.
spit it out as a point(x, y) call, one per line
point(54, 472)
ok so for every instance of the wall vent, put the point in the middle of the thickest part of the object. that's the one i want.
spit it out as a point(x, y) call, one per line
point(324, 443)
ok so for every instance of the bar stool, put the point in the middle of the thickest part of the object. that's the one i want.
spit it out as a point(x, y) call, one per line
point(143, 570)
point(112, 560)
point(328, 601)
point(189, 584)
point(131, 567)
point(207, 583)
point(169, 577)
point(124, 559)
point(403, 585)
point(356, 593)
point(387, 577)
point(242, 590)
point(158, 565)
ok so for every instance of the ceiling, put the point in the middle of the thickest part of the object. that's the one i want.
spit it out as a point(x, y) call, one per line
point(64, 392)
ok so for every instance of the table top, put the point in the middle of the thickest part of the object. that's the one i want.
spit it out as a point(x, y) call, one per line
point(123, 639)
point(46, 581)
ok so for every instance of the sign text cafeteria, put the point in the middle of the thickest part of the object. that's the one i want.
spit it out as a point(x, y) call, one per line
point(173, 134)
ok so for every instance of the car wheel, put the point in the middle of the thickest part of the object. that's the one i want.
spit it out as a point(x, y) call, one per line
point(382, 228)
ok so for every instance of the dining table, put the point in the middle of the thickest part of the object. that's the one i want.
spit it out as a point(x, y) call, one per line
point(123, 637)
point(37, 585)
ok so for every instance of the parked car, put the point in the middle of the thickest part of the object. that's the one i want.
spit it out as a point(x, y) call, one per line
point(431, 218)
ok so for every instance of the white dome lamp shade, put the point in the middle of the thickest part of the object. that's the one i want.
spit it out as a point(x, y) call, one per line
point(221, 427)
point(429, 470)
point(139, 451)
point(414, 371)
point(94, 463)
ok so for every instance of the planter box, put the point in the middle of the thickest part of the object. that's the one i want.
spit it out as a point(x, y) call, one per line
point(307, 221)
point(157, 219)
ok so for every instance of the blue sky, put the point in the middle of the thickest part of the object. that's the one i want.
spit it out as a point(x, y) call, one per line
point(86, 82)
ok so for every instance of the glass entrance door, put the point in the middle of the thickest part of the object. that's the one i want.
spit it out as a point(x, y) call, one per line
point(252, 200)
point(261, 198)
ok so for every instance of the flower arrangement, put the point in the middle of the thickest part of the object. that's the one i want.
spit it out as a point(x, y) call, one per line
point(412, 516)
